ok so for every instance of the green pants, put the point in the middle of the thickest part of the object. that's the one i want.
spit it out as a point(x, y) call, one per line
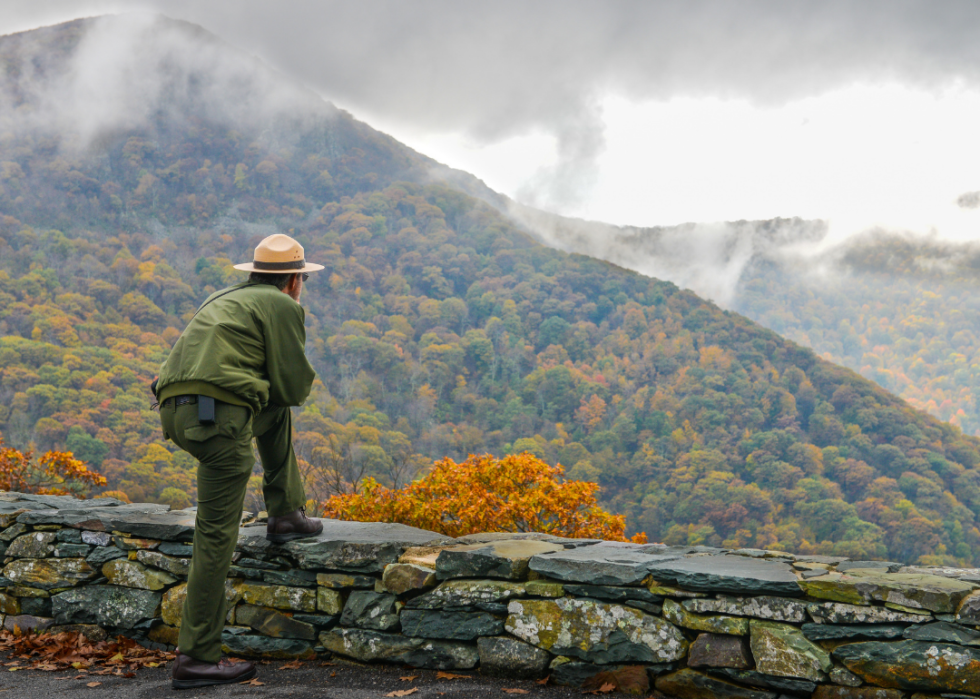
point(224, 451)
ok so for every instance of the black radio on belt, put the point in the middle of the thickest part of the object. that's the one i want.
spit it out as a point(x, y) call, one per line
point(205, 410)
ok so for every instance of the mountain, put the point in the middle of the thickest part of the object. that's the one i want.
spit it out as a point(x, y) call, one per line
point(900, 309)
point(440, 327)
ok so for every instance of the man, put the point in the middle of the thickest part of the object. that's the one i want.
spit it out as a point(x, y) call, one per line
point(231, 377)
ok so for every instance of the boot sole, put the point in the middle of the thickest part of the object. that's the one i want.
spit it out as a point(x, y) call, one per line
point(283, 538)
point(194, 684)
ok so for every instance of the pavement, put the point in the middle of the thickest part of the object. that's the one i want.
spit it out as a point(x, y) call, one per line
point(315, 679)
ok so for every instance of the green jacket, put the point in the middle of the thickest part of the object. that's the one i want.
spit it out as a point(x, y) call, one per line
point(246, 348)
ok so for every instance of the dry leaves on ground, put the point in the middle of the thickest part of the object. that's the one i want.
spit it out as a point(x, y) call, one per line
point(603, 689)
point(409, 678)
point(292, 665)
point(402, 692)
point(254, 682)
point(92, 684)
point(543, 682)
point(450, 676)
point(61, 651)
point(515, 691)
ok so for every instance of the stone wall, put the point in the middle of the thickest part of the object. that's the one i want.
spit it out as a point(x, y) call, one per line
point(692, 622)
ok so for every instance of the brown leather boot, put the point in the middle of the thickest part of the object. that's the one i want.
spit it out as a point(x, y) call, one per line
point(189, 673)
point(295, 525)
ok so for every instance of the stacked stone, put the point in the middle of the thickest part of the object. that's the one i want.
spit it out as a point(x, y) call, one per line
point(692, 622)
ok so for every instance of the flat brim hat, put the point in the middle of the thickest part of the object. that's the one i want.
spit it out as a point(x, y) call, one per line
point(279, 254)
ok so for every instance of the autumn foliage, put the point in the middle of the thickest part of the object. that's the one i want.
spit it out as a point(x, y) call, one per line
point(52, 473)
point(518, 493)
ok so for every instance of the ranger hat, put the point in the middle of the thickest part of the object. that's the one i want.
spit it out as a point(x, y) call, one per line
point(279, 254)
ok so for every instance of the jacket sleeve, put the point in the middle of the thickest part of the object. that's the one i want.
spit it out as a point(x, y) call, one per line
point(290, 373)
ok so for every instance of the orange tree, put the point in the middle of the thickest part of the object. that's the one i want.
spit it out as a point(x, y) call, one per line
point(52, 473)
point(518, 493)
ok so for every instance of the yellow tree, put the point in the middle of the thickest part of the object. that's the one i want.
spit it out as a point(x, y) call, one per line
point(518, 493)
point(52, 473)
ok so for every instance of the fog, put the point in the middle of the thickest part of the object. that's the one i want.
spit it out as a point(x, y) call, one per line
point(495, 71)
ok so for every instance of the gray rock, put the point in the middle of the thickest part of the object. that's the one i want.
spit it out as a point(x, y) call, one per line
point(716, 650)
point(269, 622)
point(506, 559)
point(886, 566)
point(654, 609)
point(32, 545)
point(95, 515)
point(371, 610)
point(171, 526)
point(458, 626)
point(508, 657)
point(575, 673)
point(613, 594)
point(254, 646)
point(106, 605)
point(733, 574)
point(258, 564)
point(840, 613)
point(294, 578)
point(913, 665)
point(691, 684)
point(782, 650)
point(68, 550)
point(787, 685)
point(36, 606)
point(358, 547)
point(247, 573)
point(49, 573)
point(94, 538)
point(844, 677)
point(407, 578)
point(487, 537)
point(769, 608)
point(463, 595)
point(69, 536)
point(607, 563)
point(102, 555)
point(174, 566)
point(370, 646)
point(943, 632)
point(13, 531)
point(321, 622)
point(341, 581)
point(22, 623)
point(32, 501)
point(171, 548)
point(594, 631)
point(833, 632)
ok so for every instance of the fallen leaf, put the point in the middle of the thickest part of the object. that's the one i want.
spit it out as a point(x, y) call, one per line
point(604, 689)
point(333, 674)
point(92, 684)
point(254, 682)
point(450, 676)
point(515, 691)
point(409, 678)
point(543, 682)
point(402, 692)
point(293, 665)
point(327, 664)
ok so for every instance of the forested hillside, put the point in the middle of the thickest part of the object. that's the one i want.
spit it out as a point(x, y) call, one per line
point(902, 311)
point(899, 309)
point(438, 329)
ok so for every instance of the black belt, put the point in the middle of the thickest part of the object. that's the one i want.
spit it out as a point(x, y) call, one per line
point(180, 400)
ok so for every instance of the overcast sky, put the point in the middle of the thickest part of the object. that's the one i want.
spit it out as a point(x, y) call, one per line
point(647, 112)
